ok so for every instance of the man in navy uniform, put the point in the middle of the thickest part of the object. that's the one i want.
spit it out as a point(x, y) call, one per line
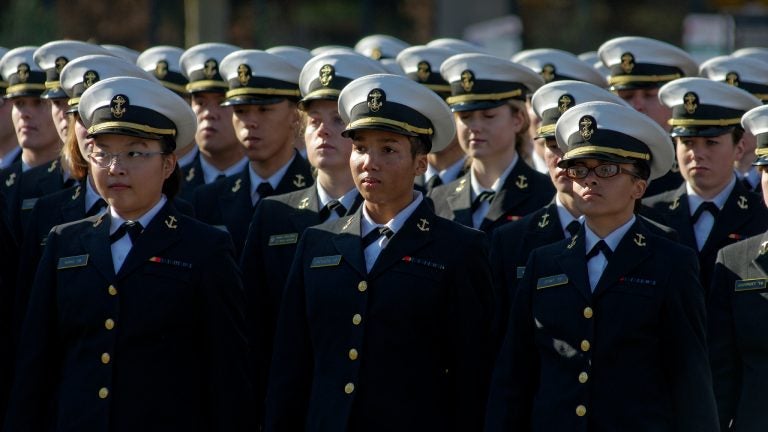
point(738, 314)
point(607, 329)
point(383, 326)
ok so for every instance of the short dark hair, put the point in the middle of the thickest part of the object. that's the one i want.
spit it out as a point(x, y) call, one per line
point(419, 145)
point(642, 169)
point(737, 134)
point(172, 184)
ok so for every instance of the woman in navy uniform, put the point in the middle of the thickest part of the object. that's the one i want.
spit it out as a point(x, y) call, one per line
point(738, 314)
point(383, 326)
point(135, 321)
point(607, 329)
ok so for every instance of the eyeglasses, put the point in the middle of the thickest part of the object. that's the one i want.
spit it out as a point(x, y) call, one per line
point(601, 171)
point(129, 159)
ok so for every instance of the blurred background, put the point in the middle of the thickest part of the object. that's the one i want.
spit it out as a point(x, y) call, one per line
point(703, 27)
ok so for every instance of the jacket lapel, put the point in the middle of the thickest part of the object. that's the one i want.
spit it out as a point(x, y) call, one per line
point(415, 233)
point(680, 218)
point(74, 208)
point(460, 201)
point(512, 194)
point(574, 264)
point(96, 242)
point(349, 242)
point(735, 213)
point(633, 249)
point(298, 176)
point(162, 232)
point(761, 259)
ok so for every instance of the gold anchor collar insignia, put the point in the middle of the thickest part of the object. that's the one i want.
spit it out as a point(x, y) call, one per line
point(53, 166)
point(190, 174)
point(675, 204)
point(304, 203)
point(299, 181)
point(573, 242)
point(237, 185)
point(99, 220)
point(118, 105)
point(522, 182)
point(639, 239)
point(423, 225)
point(10, 180)
point(742, 202)
point(544, 220)
point(77, 192)
point(376, 99)
point(170, 222)
point(763, 248)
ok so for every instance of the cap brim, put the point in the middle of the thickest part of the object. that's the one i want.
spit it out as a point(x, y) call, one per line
point(25, 93)
point(56, 93)
point(347, 133)
point(251, 100)
point(711, 131)
point(564, 163)
point(478, 105)
point(760, 161)
point(127, 132)
point(304, 102)
point(637, 85)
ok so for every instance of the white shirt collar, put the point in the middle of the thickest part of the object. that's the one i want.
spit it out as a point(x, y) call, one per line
point(694, 200)
point(273, 180)
point(210, 172)
point(447, 175)
point(91, 196)
point(367, 224)
point(7, 160)
point(612, 239)
point(188, 158)
point(144, 220)
point(346, 200)
point(565, 216)
point(496, 187)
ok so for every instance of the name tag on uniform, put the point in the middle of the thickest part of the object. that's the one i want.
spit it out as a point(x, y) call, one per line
point(72, 261)
point(28, 204)
point(520, 272)
point(552, 281)
point(283, 239)
point(751, 284)
point(325, 261)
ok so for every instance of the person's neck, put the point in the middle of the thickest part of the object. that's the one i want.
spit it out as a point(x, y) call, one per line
point(710, 193)
point(336, 184)
point(266, 168)
point(744, 165)
point(488, 170)
point(224, 159)
point(566, 199)
point(381, 213)
point(35, 158)
point(446, 158)
point(604, 225)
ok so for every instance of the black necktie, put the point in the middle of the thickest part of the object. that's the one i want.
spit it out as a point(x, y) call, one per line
point(480, 199)
point(132, 228)
point(264, 190)
point(376, 234)
point(332, 206)
point(573, 227)
point(434, 182)
point(705, 206)
point(601, 246)
point(97, 207)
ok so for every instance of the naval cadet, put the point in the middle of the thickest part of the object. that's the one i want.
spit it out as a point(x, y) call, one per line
point(710, 210)
point(738, 314)
point(8, 268)
point(136, 317)
point(383, 326)
point(607, 328)
point(279, 221)
point(263, 93)
point(10, 151)
point(488, 101)
point(218, 153)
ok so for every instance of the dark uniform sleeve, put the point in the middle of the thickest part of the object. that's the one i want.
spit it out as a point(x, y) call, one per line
point(724, 355)
point(683, 320)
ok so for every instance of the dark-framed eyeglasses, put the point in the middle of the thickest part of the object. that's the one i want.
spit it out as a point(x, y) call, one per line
point(602, 171)
point(126, 159)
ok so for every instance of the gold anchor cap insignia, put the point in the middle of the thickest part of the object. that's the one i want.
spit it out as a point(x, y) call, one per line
point(376, 99)
point(304, 203)
point(588, 126)
point(732, 78)
point(161, 69)
point(299, 181)
point(90, 78)
point(60, 63)
point(742, 203)
point(11, 179)
point(690, 102)
point(544, 220)
point(327, 73)
point(376, 53)
point(566, 101)
point(77, 193)
point(23, 72)
point(639, 239)
point(467, 80)
point(627, 62)
point(243, 74)
point(236, 187)
point(118, 105)
point(190, 174)
point(210, 68)
point(522, 182)
point(548, 72)
point(423, 225)
point(675, 204)
point(170, 222)
point(423, 71)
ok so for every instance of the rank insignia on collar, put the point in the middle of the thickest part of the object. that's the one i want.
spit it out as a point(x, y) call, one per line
point(236, 187)
point(299, 181)
point(304, 203)
point(763, 248)
point(99, 221)
point(742, 202)
point(77, 193)
point(423, 225)
point(573, 242)
point(53, 166)
point(522, 182)
point(190, 174)
point(544, 220)
point(11, 180)
point(675, 204)
point(346, 225)
point(461, 185)
point(639, 239)
point(170, 222)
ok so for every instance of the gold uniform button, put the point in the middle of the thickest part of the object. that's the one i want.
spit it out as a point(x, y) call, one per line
point(357, 319)
point(349, 388)
point(105, 358)
point(583, 377)
point(353, 354)
point(588, 312)
point(585, 345)
point(581, 410)
point(362, 286)
point(112, 290)
point(109, 324)
point(103, 393)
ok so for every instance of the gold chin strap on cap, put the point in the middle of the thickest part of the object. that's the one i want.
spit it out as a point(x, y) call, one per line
point(623, 79)
point(21, 87)
point(262, 92)
point(483, 96)
point(548, 129)
point(368, 121)
point(128, 125)
point(692, 122)
point(204, 84)
point(610, 150)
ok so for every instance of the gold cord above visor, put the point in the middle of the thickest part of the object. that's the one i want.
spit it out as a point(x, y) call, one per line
point(323, 92)
point(610, 150)
point(623, 79)
point(175, 87)
point(761, 151)
point(52, 84)
point(762, 96)
point(548, 129)
point(22, 87)
point(128, 125)
point(438, 87)
point(712, 122)
point(481, 97)
point(366, 121)
point(73, 101)
point(203, 84)
point(262, 91)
